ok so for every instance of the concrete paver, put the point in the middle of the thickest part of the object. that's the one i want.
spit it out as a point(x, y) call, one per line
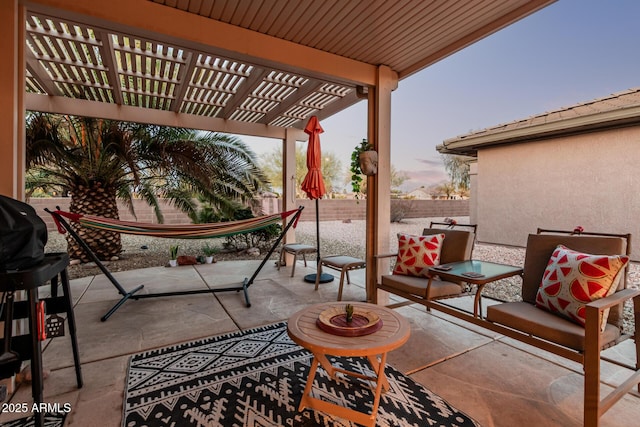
point(494, 380)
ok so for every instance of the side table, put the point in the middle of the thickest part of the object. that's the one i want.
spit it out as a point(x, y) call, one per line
point(475, 272)
point(303, 330)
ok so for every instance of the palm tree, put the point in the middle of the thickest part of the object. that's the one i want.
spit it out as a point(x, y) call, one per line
point(99, 161)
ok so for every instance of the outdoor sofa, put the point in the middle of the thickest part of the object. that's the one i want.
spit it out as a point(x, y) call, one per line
point(526, 322)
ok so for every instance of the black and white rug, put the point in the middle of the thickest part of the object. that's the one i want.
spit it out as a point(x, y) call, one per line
point(50, 420)
point(256, 378)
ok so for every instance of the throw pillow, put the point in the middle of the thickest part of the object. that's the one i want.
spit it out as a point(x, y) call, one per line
point(573, 279)
point(417, 253)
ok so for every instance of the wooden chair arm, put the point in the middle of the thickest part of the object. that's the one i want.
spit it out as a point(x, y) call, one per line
point(613, 300)
point(381, 256)
point(592, 321)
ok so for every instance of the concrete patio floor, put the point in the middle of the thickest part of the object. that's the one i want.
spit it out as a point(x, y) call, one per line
point(496, 381)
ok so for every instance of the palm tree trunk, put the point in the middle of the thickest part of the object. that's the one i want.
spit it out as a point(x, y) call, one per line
point(94, 200)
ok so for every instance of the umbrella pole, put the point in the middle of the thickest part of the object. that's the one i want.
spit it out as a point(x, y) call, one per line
point(324, 277)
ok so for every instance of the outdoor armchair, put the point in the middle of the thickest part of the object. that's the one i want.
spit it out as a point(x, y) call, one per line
point(456, 246)
point(527, 322)
point(454, 225)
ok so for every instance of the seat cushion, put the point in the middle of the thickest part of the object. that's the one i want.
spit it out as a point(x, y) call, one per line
point(529, 319)
point(418, 286)
point(298, 248)
point(417, 253)
point(340, 261)
point(573, 279)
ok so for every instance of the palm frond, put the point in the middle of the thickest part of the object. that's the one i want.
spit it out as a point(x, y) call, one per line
point(138, 160)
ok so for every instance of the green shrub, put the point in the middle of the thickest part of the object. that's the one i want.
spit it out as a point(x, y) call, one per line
point(262, 238)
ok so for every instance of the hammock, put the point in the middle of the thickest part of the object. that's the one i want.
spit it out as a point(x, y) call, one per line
point(175, 231)
point(184, 231)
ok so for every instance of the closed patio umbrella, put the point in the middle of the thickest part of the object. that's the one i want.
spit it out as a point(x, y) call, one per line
point(313, 184)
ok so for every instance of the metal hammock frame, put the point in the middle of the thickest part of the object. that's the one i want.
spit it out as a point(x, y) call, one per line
point(184, 231)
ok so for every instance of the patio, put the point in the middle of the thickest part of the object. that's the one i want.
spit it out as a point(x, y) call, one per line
point(254, 69)
point(494, 380)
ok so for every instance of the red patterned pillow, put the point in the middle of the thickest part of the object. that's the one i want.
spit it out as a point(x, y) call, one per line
point(573, 279)
point(417, 253)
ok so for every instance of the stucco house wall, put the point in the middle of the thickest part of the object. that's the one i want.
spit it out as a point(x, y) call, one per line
point(575, 166)
point(591, 180)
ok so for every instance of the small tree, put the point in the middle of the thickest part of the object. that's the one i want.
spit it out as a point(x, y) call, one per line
point(458, 169)
point(397, 178)
point(271, 164)
point(447, 188)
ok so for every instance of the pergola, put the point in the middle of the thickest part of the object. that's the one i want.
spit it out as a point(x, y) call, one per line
point(249, 67)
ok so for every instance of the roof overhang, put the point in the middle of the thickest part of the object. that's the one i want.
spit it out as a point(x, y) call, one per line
point(525, 131)
point(241, 66)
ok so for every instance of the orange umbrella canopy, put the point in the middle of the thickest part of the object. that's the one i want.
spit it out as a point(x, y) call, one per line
point(313, 183)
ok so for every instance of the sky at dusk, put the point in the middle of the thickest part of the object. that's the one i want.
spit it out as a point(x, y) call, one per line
point(570, 52)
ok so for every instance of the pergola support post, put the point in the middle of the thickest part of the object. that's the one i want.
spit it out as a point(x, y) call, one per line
point(12, 88)
point(289, 201)
point(379, 185)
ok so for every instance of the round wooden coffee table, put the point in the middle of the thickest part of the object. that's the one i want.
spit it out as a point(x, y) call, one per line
point(303, 330)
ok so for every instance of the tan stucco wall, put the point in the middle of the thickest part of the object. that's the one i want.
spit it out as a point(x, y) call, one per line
point(330, 210)
point(590, 180)
point(473, 192)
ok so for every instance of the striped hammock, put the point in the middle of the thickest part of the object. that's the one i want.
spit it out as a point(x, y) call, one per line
point(176, 231)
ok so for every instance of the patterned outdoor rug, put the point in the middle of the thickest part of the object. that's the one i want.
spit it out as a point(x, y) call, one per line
point(50, 420)
point(256, 378)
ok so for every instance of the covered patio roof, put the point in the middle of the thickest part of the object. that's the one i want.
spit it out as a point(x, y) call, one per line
point(249, 67)
point(269, 63)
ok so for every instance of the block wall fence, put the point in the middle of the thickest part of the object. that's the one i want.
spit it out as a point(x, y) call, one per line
point(330, 210)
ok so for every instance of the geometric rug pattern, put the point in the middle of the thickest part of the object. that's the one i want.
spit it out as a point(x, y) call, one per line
point(51, 419)
point(256, 378)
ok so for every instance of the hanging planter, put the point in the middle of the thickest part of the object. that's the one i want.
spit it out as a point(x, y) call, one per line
point(368, 162)
point(364, 161)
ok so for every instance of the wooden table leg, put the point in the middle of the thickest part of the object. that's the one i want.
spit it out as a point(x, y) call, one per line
point(378, 368)
point(324, 362)
point(382, 384)
point(306, 395)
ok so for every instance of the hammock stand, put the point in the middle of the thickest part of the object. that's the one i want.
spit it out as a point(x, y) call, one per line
point(190, 231)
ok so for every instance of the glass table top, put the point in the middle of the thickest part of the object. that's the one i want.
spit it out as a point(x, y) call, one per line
point(476, 270)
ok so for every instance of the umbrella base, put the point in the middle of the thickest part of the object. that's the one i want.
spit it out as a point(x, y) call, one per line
point(324, 278)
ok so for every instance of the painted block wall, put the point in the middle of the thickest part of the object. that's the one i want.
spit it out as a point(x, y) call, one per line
point(330, 210)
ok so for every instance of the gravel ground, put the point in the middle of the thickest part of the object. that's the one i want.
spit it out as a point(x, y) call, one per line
point(336, 237)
